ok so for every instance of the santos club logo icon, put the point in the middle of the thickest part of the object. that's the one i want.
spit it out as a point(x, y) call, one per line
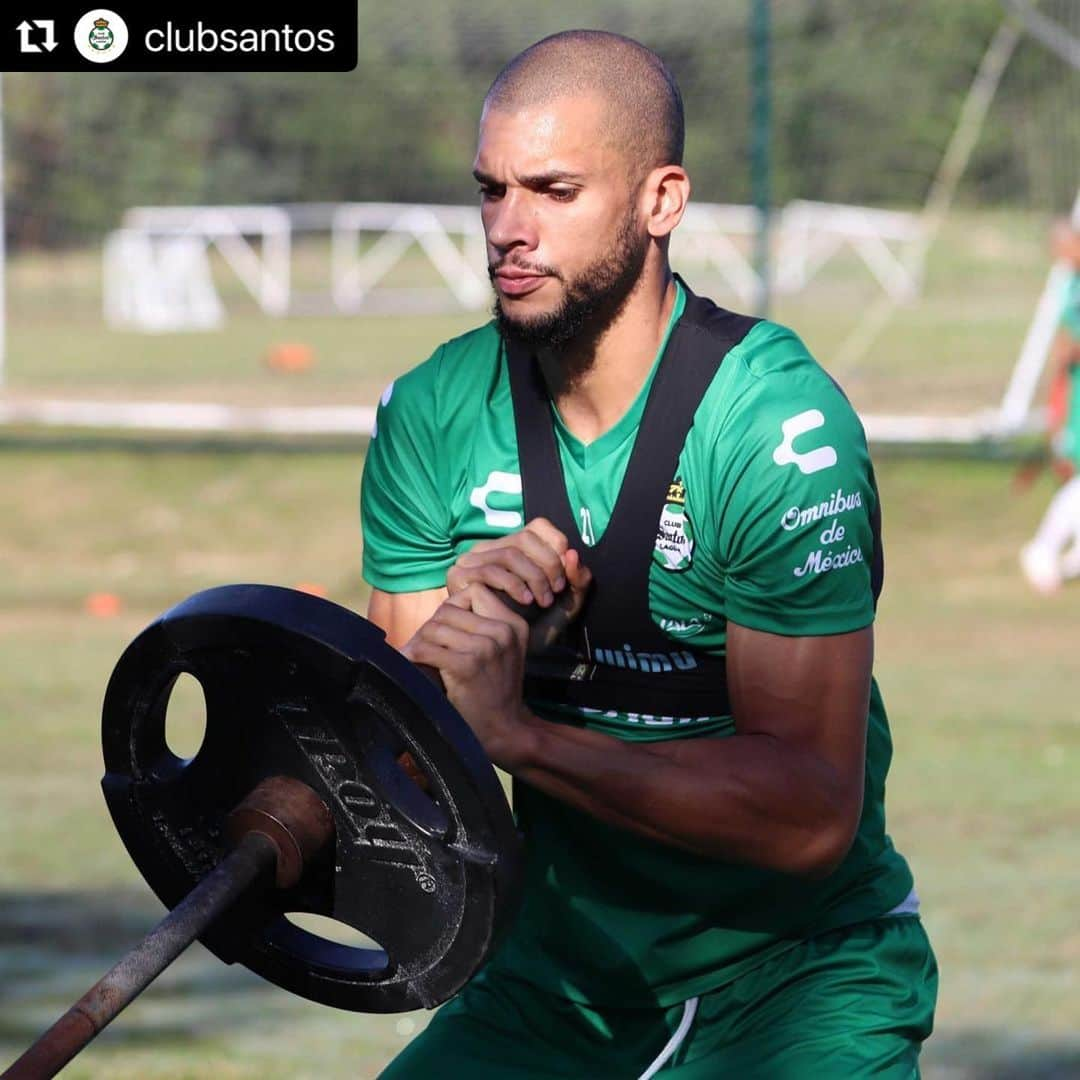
point(101, 36)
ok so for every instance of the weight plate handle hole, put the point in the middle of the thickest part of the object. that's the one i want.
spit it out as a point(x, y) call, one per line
point(185, 717)
point(327, 941)
point(332, 930)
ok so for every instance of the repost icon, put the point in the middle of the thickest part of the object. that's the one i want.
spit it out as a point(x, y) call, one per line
point(101, 36)
point(26, 35)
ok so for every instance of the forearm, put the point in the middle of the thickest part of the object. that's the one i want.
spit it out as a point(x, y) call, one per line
point(746, 798)
point(401, 614)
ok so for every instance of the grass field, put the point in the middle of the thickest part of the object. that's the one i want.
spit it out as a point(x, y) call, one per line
point(981, 677)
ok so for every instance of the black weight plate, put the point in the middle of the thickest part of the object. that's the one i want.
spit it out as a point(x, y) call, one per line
point(296, 685)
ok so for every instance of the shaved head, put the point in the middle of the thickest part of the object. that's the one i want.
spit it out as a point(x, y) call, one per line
point(579, 162)
point(643, 114)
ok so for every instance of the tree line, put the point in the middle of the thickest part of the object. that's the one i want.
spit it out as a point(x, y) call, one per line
point(865, 96)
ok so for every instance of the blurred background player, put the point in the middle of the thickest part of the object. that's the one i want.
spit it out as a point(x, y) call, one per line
point(1053, 555)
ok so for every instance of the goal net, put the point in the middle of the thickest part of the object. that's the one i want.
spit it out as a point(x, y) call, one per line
point(169, 236)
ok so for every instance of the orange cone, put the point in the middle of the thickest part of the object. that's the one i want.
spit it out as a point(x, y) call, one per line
point(290, 357)
point(102, 605)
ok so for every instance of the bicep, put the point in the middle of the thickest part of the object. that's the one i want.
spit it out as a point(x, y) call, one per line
point(404, 513)
point(400, 615)
point(810, 693)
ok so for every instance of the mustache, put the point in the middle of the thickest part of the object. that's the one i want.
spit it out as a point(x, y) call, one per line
point(528, 268)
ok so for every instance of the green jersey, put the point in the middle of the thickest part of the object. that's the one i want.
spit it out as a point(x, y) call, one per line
point(1069, 439)
point(1070, 306)
point(768, 523)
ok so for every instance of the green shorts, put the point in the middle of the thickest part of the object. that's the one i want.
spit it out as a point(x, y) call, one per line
point(850, 1003)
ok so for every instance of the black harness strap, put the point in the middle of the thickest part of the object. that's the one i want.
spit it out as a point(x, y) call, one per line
point(617, 658)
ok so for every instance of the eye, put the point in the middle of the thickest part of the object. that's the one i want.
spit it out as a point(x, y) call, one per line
point(487, 191)
point(562, 194)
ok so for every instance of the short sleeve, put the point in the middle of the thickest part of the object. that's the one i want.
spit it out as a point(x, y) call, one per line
point(795, 525)
point(403, 504)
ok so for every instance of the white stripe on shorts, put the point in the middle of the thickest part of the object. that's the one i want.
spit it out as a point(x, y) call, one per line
point(908, 906)
point(673, 1044)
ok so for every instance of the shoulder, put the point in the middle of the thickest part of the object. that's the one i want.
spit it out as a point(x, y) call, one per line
point(775, 431)
point(447, 381)
point(774, 363)
point(771, 388)
point(792, 491)
point(764, 363)
point(460, 360)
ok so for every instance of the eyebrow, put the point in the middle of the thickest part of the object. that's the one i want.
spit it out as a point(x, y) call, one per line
point(539, 180)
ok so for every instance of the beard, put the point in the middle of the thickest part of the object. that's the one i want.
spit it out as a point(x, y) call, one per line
point(591, 302)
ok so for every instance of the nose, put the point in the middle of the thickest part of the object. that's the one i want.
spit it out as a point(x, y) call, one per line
point(510, 223)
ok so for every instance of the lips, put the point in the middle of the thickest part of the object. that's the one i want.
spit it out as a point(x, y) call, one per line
point(518, 282)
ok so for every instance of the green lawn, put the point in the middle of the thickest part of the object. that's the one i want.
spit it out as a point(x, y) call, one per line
point(979, 674)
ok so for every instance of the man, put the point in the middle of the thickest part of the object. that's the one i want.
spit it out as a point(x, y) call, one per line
point(699, 780)
point(1053, 554)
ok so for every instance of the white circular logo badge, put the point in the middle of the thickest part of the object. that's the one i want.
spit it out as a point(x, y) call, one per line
point(101, 36)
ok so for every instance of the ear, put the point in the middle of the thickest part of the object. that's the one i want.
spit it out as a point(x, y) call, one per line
point(664, 195)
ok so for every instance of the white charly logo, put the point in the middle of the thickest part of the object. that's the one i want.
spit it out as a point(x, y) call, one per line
point(502, 483)
point(814, 460)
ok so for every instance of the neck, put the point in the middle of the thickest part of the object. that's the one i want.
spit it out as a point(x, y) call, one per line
point(619, 360)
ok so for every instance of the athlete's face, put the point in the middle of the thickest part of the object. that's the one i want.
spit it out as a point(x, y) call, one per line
point(564, 240)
